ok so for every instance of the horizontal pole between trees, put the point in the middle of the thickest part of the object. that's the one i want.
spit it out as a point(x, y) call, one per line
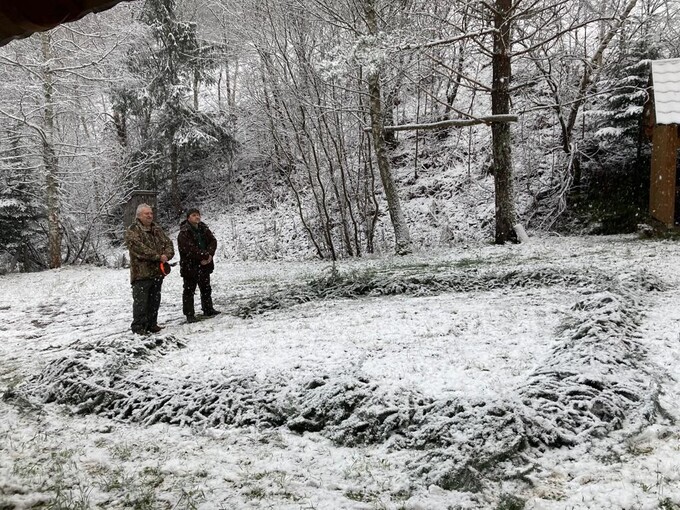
point(451, 123)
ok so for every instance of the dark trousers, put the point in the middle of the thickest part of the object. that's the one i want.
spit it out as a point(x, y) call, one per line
point(202, 280)
point(146, 300)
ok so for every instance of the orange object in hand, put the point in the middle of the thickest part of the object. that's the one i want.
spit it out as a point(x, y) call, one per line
point(165, 268)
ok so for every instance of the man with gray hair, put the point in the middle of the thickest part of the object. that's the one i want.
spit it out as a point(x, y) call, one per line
point(150, 249)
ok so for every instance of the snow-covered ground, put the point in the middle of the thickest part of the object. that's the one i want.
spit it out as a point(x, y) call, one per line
point(427, 399)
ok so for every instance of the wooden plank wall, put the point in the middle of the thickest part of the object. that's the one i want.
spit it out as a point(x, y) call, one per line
point(662, 179)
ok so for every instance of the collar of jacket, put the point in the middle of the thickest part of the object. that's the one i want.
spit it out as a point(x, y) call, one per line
point(146, 229)
point(185, 225)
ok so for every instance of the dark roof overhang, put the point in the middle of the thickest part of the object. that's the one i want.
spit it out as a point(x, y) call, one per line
point(21, 18)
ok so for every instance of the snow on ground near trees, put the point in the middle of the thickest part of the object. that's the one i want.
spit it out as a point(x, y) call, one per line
point(547, 373)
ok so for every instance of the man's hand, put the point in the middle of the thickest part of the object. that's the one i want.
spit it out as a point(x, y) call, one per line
point(207, 261)
point(164, 258)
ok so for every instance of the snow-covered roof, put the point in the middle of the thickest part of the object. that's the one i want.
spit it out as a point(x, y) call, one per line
point(666, 76)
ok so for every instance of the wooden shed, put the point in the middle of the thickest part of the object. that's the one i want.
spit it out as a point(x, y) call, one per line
point(662, 123)
point(138, 197)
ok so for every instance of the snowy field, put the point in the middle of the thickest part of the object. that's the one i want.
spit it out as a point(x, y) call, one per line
point(537, 376)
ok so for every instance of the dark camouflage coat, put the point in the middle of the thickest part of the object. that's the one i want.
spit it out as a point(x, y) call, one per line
point(190, 252)
point(146, 247)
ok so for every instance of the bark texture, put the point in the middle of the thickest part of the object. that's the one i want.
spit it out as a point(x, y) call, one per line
point(506, 216)
point(402, 237)
point(50, 158)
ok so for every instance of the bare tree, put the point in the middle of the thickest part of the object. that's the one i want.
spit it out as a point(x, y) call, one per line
point(49, 156)
point(315, 119)
point(506, 216)
point(569, 45)
point(402, 243)
point(54, 86)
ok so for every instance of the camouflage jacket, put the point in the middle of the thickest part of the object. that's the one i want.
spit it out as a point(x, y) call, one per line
point(146, 247)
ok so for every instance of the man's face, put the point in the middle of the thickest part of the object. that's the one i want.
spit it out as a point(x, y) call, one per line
point(146, 217)
point(194, 218)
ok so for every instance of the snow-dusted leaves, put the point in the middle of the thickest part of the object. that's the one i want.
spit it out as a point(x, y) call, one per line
point(417, 281)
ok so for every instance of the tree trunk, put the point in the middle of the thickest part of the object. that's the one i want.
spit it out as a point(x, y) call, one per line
point(370, 208)
point(371, 205)
point(506, 217)
point(388, 107)
point(196, 82)
point(220, 108)
point(402, 238)
point(120, 121)
point(174, 180)
point(50, 158)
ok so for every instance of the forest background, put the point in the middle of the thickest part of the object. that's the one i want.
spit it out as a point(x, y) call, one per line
point(329, 129)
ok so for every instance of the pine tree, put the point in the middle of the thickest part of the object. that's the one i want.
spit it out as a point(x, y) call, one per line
point(164, 102)
point(616, 168)
point(619, 123)
point(21, 239)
